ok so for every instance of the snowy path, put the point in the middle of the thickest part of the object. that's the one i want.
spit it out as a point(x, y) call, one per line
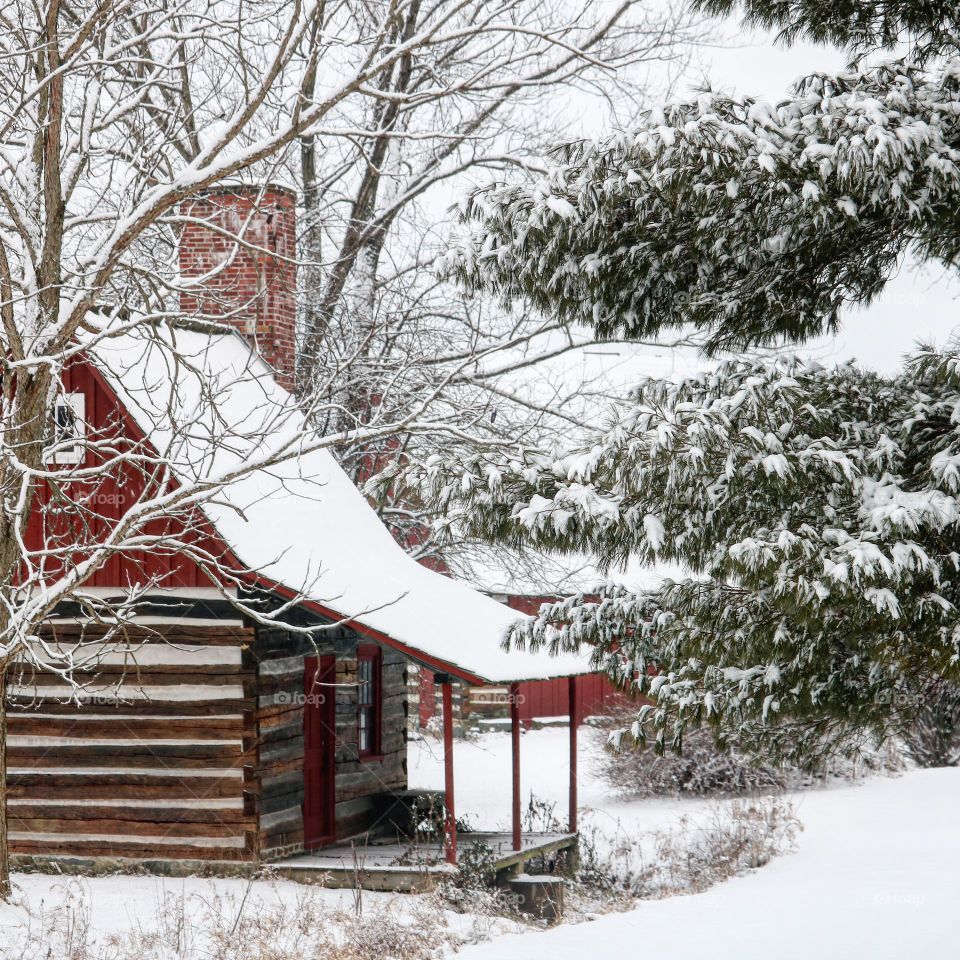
point(877, 875)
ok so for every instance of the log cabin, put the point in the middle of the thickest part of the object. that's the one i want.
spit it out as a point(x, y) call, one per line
point(205, 736)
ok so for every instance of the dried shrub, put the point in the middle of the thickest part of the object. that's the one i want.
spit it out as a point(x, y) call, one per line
point(230, 928)
point(702, 770)
point(745, 835)
point(616, 869)
point(933, 739)
point(476, 871)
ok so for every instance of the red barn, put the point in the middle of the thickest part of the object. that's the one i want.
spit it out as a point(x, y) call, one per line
point(594, 694)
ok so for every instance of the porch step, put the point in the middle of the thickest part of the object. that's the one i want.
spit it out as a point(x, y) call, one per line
point(408, 868)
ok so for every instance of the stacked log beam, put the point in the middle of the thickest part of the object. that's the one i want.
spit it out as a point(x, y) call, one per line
point(147, 758)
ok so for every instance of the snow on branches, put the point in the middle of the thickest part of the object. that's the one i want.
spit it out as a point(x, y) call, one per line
point(752, 222)
point(816, 512)
point(860, 25)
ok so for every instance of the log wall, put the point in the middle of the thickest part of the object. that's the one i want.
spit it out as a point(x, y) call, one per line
point(188, 744)
point(155, 762)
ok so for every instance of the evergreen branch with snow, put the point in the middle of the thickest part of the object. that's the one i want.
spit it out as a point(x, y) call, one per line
point(752, 222)
point(815, 511)
point(929, 26)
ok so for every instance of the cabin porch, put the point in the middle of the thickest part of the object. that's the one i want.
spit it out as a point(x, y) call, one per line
point(396, 853)
point(415, 867)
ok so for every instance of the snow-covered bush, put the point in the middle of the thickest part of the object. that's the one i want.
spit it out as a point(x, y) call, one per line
point(933, 739)
point(702, 770)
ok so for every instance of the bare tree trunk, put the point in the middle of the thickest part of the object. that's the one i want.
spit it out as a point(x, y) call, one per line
point(5, 889)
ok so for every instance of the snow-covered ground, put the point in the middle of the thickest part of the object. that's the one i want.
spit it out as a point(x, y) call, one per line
point(875, 874)
point(483, 769)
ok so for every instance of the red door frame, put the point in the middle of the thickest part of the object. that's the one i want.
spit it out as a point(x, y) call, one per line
point(319, 751)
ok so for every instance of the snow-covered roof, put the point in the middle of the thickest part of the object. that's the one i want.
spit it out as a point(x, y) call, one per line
point(208, 403)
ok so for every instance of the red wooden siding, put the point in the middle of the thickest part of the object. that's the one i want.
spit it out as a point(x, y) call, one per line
point(542, 698)
point(109, 498)
point(551, 698)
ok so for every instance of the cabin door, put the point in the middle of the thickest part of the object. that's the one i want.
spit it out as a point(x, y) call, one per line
point(319, 742)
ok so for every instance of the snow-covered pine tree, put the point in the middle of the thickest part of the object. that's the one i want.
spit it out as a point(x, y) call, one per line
point(816, 510)
point(753, 222)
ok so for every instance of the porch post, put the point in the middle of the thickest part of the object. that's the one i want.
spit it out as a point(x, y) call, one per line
point(515, 735)
point(450, 816)
point(574, 717)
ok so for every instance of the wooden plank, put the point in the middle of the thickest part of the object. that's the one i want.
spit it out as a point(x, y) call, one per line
point(293, 764)
point(293, 800)
point(154, 675)
point(279, 715)
point(185, 728)
point(187, 642)
point(281, 819)
point(281, 836)
point(513, 857)
point(280, 734)
point(275, 785)
point(290, 666)
point(121, 786)
point(173, 632)
point(137, 850)
point(289, 749)
point(183, 829)
point(99, 704)
point(134, 754)
point(118, 812)
point(189, 673)
point(284, 689)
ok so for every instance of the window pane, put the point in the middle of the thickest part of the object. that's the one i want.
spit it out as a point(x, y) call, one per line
point(68, 428)
point(364, 731)
point(366, 681)
point(368, 705)
point(66, 421)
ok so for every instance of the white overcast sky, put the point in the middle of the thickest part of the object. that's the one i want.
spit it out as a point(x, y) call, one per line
point(919, 304)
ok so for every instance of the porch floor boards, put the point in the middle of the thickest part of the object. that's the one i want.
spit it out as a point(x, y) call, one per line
point(388, 865)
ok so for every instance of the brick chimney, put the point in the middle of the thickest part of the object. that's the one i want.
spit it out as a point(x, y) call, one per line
point(256, 290)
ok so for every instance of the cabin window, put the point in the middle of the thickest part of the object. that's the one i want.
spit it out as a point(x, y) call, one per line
point(369, 698)
point(69, 424)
